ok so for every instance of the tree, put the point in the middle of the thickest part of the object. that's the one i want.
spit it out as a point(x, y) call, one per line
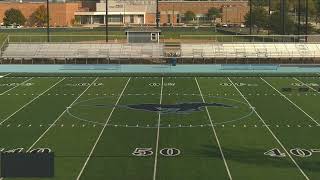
point(189, 16)
point(276, 25)
point(311, 28)
point(317, 7)
point(13, 16)
point(213, 13)
point(39, 17)
point(259, 18)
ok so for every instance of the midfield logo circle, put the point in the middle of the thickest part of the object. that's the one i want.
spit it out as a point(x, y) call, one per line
point(224, 110)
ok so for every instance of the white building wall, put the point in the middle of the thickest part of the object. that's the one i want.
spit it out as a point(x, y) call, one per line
point(148, 6)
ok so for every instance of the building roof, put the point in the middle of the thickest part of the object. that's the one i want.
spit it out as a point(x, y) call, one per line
point(37, 1)
point(142, 29)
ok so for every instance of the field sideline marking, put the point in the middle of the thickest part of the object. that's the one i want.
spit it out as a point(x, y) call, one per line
point(101, 132)
point(271, 132)
point(30, 101)
point(158, 134)
point(5, 75)
point(214, 131)
point(45, 132)
point(16, 86)
point(291, 101)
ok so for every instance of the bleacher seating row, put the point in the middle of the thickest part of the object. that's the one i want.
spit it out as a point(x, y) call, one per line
point(65, 51)
point(153, 50)
point(251, 50)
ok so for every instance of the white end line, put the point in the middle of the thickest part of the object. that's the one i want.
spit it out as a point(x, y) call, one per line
point(158, 135)
point(60, 116)
point(30, 102)
point(291, 101)
point(271, 132)
point(105, 125)
point(214, 132)
point(16, 86)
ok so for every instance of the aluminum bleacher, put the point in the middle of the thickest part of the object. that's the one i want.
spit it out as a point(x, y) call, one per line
point(74, 50)
point(251, 50)
point(254, 50)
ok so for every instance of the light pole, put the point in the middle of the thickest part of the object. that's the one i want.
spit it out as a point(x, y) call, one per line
point(269, 13)
point(48, 19)
point(299, 17)
point(282, 14)
point(157, 14)
point(307, 20)
point(250, 17)
point(107, 22)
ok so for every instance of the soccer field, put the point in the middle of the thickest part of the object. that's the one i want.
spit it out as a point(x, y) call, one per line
point(166, 128)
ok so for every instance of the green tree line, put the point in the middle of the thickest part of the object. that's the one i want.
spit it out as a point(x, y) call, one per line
point(15, 17)
point(262, 20)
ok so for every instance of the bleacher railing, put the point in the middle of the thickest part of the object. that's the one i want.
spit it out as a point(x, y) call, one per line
point(4, 45)
point(249, 38)
point(25, 38)
point(68, 38)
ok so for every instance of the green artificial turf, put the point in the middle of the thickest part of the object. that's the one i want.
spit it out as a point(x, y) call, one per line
point(94, 126)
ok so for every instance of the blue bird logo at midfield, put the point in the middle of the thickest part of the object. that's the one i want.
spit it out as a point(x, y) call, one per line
point(173, 108)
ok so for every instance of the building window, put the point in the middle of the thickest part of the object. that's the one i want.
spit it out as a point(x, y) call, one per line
point(97, 19)
point(115, 19)
point(178, 18)
point(131, 19)
point(140, 19)
point(169, 18)
point(153, 36)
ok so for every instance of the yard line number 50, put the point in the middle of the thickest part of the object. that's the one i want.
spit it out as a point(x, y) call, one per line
point(148, 152)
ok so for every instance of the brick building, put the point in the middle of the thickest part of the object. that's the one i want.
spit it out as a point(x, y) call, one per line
point(171, 12)
point(231, 11)
point(122, 12)
point(62, 14)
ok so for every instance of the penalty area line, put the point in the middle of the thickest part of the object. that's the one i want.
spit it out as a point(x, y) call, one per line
point(101, 132)
point(271, 132)
point(30, 101)
point(291, 102)
point(45, 132)
point(214, 131)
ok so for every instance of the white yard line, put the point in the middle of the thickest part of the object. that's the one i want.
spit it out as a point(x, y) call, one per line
point(30, 102)
point(158, 135)
point(271, 132)
point(16, 86)
point(5, 76)
point(291, 102)
point(214, 132)
point(105, 125)
point(306, 85)
point(60, 116)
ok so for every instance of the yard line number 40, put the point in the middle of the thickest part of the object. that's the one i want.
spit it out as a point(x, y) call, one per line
point(299, 152)
point(148, 152)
